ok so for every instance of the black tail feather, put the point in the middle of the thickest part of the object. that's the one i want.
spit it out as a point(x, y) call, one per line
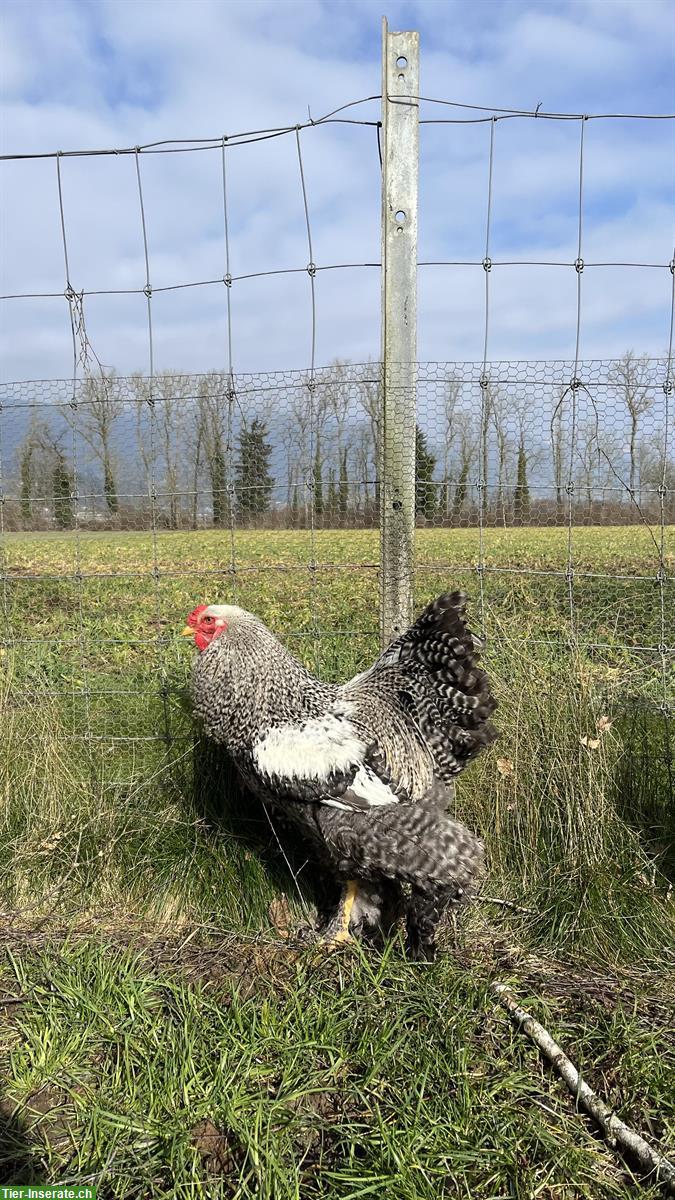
point(449, 692)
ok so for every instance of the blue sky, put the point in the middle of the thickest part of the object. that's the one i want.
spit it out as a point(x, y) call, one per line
point(112, 73)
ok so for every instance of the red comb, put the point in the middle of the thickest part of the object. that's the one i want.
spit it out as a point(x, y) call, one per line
point(196, 613)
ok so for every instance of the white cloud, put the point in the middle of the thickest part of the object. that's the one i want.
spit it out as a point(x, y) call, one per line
point(123, 74)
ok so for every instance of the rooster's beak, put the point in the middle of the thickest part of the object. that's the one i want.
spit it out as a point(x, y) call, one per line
point(187, 632)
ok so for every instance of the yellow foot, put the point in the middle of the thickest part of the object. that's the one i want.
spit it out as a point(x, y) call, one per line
point(324, 947)
point(340, 939)
point(347, 903)
point(338, 933)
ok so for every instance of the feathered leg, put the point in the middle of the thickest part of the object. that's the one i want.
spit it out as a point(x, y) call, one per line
point(413, 845)
point(424, 913)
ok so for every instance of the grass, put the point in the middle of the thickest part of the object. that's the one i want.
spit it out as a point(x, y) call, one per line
point(279, 1079)
point(163, 1038)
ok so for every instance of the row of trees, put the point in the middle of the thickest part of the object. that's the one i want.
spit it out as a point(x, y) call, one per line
point(192, 452)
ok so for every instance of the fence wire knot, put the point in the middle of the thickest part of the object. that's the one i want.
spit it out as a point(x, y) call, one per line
point(69, 293)
point(578, 265)
point(487, 264)
point(668, 387)
point(311, 269)
point(147, 291)
point(575, 384)
point(227, 280)
point(484, 382)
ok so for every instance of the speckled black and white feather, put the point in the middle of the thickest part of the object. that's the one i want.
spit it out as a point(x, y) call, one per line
point(365, 769)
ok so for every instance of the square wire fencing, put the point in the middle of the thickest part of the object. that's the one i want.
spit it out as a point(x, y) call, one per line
point(334, 500)
point(533, 495)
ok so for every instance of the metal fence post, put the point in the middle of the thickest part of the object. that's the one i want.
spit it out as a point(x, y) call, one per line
point(400, 155)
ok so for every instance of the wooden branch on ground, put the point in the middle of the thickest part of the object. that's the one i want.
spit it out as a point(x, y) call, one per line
point(506, 904)
point(617, 1132)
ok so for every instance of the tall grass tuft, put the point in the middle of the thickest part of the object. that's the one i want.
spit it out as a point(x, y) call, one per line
point(551, 801)
point(87, 827)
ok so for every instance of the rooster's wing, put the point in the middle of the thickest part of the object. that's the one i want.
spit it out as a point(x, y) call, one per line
point(325, 759)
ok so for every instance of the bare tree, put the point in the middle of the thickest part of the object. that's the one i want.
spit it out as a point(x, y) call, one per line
point(656, 472)
point(370, 396)
point(630, 375)
point(451, 393)
point(300, 431)
point(309, 413)
point(339, 400)
point(46, 472)
point(557, 447)
point(597, 451)
point(588, 460)
point(162, 454)
point(26, 460)
point(98, 407)
point(213, 400)
point(486, 413)
point(499, 405)
point(467, 446)
point(528, 457)
point(289, 444)
point(363, 465)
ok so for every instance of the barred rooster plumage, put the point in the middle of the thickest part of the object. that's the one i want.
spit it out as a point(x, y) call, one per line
point(363, 770)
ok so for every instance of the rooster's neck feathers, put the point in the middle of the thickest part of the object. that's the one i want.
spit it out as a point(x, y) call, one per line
point(246, 682)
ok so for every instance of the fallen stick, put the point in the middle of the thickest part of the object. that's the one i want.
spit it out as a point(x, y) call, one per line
point(618, 1134)
point(506, 904)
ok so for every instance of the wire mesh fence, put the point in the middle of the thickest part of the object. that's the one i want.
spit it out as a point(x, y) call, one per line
point(545, 488)
point(121, 510)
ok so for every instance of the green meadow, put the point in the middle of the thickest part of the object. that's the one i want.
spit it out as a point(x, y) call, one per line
point(161, 1032)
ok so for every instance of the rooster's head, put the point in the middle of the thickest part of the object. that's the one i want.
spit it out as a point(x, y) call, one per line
point(207, 622)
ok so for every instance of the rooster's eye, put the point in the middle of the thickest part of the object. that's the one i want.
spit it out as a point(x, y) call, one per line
point(207, 619)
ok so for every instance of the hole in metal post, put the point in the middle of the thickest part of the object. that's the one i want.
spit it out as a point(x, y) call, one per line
point(400, 216)
point(401, 62)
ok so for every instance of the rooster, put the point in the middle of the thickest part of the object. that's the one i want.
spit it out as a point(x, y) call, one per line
point(364, 770)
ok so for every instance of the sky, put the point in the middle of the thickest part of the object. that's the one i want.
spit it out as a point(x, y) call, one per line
point(101, 74)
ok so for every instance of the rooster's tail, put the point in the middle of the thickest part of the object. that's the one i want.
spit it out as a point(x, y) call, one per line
point(449, 693)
